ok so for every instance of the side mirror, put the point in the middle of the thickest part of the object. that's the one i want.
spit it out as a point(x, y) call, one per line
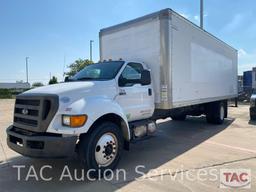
point(145, 77)
point(66, 79)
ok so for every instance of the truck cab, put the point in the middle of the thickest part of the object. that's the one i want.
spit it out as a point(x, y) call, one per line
point(105, 96)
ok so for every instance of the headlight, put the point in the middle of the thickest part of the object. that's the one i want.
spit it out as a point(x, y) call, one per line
point(74, 120)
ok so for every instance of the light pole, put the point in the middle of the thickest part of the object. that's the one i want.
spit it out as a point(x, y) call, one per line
point(91, 41)
point(27, 68)
point(201, 14)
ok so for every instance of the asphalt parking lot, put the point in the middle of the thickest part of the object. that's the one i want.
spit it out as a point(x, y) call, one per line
point(176, 149)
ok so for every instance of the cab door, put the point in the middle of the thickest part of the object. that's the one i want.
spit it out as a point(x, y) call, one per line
point(137, 100)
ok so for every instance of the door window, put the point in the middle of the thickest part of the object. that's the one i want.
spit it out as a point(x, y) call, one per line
point(131, 75)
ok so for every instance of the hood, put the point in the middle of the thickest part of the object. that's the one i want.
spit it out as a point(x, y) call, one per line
point(77, 89)
point(62, 87)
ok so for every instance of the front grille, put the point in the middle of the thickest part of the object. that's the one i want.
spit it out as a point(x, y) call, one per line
point(31, 112)
point(35, 111)
point(32, 102)
point(25, 121)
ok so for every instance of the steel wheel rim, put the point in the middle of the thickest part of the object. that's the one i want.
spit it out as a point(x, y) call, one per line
point(106, 149)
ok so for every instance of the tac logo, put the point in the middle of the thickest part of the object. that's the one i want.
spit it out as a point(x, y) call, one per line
point(235, 178)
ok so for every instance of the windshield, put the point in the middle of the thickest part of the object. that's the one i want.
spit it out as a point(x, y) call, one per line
point(99, 71)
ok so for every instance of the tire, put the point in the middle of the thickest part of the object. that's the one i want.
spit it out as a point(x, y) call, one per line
point(101, 149)
point(252, 117)
point(216, 113)
point(178, 117)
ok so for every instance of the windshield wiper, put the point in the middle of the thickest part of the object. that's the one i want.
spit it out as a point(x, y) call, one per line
point(84, 78)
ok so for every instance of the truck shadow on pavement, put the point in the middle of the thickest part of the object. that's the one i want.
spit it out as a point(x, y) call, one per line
point(252, 122)
point(170, 141)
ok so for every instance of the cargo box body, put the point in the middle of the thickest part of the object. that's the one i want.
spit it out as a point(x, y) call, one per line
point(188, 65)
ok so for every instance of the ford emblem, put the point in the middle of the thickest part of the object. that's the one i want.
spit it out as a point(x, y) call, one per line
point(24, 111)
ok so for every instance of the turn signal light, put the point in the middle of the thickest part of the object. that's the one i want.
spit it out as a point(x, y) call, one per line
point(74, 120)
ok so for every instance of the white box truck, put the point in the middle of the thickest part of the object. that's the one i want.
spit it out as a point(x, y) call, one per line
point(157, 66)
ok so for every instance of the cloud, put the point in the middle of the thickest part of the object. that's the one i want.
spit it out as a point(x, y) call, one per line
point(234, 23)
point(246, 60)
point(185, 15)
point(241, 53)
point(196, 17)
point(21, 72)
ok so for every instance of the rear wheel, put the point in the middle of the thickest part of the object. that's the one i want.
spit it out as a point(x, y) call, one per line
point(101, 149)
point(216, 113)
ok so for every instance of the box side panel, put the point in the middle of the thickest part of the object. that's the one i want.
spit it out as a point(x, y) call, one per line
point(203, 68)
point(139, 42)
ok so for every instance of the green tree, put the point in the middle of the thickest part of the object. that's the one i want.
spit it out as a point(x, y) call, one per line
point(37, 84)
point(53, 80)
point(5, 94)
point(78, 65)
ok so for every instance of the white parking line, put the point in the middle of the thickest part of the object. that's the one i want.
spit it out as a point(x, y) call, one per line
point(232, 147)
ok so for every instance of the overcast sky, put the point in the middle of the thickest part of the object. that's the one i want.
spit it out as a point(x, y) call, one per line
point(47, 31)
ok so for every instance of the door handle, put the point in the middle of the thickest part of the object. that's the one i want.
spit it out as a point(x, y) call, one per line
point(122, 92)
point(149, 92)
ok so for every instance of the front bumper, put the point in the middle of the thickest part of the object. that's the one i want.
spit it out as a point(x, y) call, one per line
point(253, 113)
point(42, 145)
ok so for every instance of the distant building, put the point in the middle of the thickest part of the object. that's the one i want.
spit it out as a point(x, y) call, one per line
point(247, 80)
point(17, 86)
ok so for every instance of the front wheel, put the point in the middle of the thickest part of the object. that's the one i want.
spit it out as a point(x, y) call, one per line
point(101, 149)
point(252, 117)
